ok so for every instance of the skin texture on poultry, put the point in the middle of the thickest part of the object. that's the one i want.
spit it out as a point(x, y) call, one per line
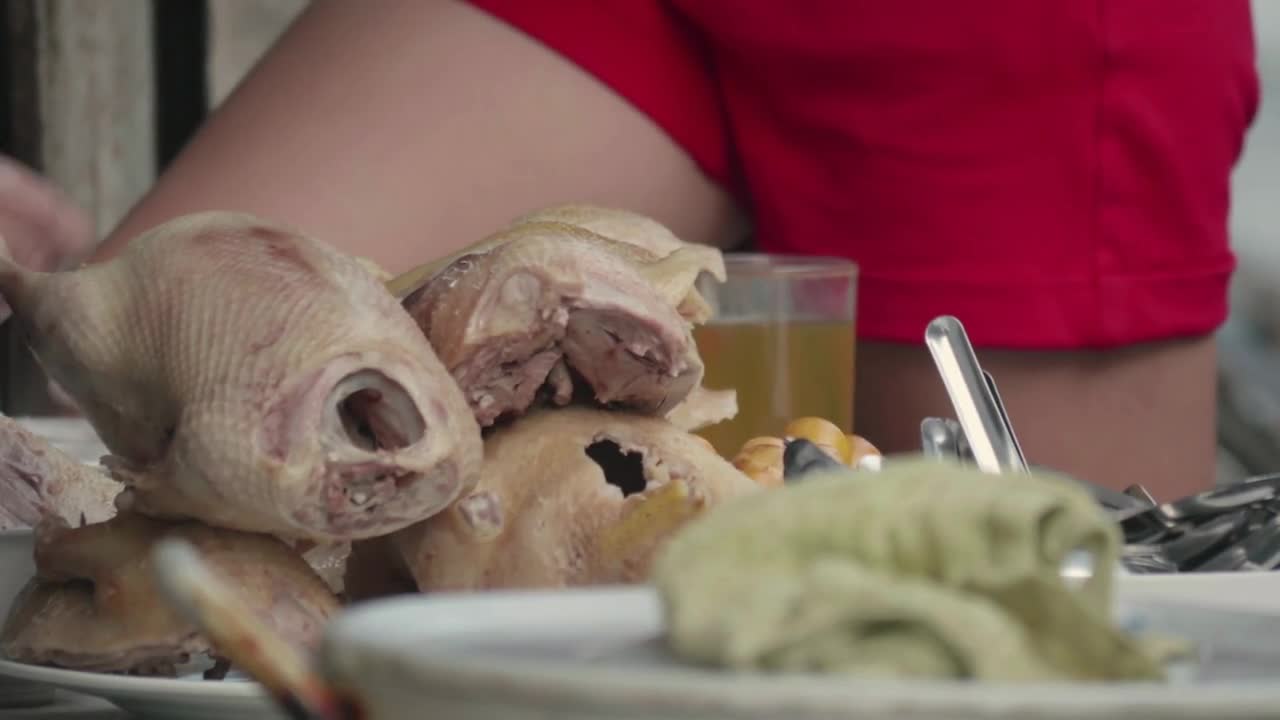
point(703, 406)
point(568, 497)
point(653, 237)
point(94, 604)
point(253, 378)
point(550, 310)
point(613, 223)
point(654, 240)
point(37, 479)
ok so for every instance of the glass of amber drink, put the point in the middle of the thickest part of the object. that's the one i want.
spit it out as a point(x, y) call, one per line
point(782, 336)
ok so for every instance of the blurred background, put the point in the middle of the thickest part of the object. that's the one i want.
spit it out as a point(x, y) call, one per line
point(100, 96)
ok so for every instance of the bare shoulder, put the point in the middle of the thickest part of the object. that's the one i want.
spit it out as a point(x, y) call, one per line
point(431, 125)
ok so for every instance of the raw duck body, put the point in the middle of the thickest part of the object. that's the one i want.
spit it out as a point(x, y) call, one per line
point(568, 497)
point(253, 378)
point(545, 310)
point(94, 604)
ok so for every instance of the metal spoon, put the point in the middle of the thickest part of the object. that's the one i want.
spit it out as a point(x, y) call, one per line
point(938, 440)
point(978, 408)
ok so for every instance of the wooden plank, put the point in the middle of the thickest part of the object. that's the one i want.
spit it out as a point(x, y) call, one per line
point(97, 102)
point(181, 55)
point(82, 111)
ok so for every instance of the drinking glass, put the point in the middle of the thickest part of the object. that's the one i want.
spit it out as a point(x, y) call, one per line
point(782, 336)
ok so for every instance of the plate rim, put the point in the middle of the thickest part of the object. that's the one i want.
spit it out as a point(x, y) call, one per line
point(353, 641)
point(109, 686)
point(437, 673)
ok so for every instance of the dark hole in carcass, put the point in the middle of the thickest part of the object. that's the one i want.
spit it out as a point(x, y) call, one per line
point(378, 414)
point(356, 413)
point(624, 470)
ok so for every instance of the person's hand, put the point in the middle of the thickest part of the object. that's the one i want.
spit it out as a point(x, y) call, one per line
point(42, 227)
point(43, 230)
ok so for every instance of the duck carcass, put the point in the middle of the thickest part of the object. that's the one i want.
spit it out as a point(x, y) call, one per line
point(94, 604)
point(568, 496)
point(254, 378)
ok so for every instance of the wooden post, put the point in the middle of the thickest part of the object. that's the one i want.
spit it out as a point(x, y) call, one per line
point(81, 109)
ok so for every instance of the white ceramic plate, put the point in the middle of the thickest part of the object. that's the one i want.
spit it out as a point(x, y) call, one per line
point(596, 653)
point(188, 698)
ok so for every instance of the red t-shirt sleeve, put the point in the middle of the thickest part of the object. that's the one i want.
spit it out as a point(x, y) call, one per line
point(1057, 175)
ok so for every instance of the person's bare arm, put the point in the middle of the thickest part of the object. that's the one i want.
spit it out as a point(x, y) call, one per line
point(403, 129)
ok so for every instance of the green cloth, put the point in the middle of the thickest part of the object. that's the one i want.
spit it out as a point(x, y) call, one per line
point(924, 569)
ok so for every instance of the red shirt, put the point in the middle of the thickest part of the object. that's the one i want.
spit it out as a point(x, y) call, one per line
point(1055, 174)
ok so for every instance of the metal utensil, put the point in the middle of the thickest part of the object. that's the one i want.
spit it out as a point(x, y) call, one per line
point(938, 439)
point(1002, 414)
point(985, 429)
point(1232, 528)
point(1262, 547)
point(1183, 513)
point(1193, 547)
point(1139, 558)
point(982, 413)
point(978, 409)
point(1140, 492)
point(1225, 499)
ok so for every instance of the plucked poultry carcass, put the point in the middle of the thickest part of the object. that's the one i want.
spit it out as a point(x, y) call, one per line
point(254, 378)
point(545, 310)
point(568, 496)
point(37, 479)
point(94, 604)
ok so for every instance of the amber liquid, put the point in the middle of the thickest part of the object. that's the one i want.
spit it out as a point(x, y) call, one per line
point(781, 371)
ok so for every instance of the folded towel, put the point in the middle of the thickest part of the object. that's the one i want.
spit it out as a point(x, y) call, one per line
point(924, 569)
